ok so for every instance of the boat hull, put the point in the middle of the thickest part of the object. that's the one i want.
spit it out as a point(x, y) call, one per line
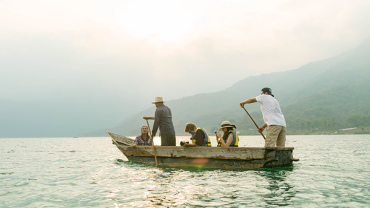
point(208, 157)
point(207, 163)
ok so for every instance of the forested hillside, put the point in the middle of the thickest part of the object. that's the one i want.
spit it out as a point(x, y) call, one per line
point(321, 96)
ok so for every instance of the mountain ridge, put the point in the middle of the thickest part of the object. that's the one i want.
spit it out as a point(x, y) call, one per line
point(210, 109)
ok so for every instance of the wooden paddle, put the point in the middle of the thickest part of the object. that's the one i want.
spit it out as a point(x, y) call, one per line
point(254, 123)
point(150, 134)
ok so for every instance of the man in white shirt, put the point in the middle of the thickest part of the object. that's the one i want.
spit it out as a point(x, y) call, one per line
point(273, 117)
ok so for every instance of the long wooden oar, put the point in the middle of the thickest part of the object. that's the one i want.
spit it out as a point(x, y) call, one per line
point(254, 122)
point(155, 155)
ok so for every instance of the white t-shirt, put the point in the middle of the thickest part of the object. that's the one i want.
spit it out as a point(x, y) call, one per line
point(271, 111)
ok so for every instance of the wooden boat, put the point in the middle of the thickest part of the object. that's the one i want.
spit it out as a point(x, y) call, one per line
point(206, 157)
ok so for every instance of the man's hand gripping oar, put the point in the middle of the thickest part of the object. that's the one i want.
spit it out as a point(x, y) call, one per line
point(260, 130)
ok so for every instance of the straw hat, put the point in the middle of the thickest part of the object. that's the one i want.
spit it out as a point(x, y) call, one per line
point(158, 100)
point(225, 124)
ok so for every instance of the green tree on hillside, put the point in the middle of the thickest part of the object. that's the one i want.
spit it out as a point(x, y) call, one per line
point(302, 126)
point(325, 126)
point(308, 126)
point(359, 120)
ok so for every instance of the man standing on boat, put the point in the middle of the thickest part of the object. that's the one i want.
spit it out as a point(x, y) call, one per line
point(163, 120)
point(273, 117)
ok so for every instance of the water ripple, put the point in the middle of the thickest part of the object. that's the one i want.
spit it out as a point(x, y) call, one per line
point(333, 172)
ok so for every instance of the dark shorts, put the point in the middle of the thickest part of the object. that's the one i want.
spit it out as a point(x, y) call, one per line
point(168, 140)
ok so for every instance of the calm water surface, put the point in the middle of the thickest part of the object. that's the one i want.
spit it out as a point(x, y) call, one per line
point(333, 171)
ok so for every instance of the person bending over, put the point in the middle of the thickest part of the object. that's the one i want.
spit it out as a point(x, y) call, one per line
point(273, 117)
point(199, 136)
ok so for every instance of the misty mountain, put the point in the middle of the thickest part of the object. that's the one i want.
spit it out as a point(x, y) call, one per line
point(329, 89)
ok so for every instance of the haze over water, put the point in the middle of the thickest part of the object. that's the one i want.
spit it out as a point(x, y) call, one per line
point(333, 171)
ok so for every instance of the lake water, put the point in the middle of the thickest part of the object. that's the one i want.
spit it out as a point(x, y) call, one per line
point(333, 171)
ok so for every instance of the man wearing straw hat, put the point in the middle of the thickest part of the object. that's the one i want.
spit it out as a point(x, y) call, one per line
point(273, 117)
point(163, 120)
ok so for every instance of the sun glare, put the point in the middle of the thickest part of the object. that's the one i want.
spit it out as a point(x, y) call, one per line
point(167, 22)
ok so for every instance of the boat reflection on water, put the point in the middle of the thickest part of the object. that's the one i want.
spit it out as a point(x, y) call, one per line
point(279, 190)
point(195, 187)
point(167, 191)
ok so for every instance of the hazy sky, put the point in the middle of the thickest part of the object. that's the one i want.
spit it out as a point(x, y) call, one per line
point(110, 58)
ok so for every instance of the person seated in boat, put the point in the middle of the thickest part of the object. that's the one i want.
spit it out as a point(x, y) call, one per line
point(199, 136)
point(230, 137)
point(144, 139)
